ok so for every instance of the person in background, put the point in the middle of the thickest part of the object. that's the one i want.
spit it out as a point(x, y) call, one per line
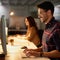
point(51, 36)
point(32, 31)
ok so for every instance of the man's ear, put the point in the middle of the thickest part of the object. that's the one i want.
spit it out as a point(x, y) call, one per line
point(49, 12)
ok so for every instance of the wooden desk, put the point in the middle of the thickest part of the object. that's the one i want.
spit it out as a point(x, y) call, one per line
point(14, 52)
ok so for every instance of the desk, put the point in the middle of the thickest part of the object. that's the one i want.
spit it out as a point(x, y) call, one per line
point(14, 52)
point(17, 54)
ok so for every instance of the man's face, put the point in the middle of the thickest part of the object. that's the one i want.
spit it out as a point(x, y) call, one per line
point(42, 14)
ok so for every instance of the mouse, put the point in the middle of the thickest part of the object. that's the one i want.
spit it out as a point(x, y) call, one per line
point(24, 47)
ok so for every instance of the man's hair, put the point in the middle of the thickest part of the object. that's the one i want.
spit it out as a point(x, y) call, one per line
point(46, 5)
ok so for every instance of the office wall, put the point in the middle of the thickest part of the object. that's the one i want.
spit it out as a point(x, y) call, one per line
point(57, 12)
point(17, 21)
point(4, 10)
point(23, 11)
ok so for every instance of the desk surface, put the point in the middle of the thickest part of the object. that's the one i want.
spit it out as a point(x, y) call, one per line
point(17, 54)
point(14, 52)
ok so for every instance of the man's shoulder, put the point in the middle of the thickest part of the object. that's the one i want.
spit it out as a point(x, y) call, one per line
point(58, 24)
point(57, 27)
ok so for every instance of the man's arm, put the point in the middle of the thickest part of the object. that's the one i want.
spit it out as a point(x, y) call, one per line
point(38, 49)
point(35, 50)
point(52, 54)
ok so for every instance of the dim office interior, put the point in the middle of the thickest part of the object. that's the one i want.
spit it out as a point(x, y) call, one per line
point(13, 14)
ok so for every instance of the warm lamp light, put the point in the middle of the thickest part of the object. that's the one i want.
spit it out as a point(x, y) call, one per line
point(11, 13)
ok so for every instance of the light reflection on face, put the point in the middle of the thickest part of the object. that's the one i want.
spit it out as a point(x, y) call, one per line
point(26, 22)
point(42, 14)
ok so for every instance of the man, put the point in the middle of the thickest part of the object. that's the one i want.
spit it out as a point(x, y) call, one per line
point(51, 36)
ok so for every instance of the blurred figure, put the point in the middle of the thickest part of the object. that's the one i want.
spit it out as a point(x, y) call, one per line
point(12, 41)
point(51, 37)
point(32, 31)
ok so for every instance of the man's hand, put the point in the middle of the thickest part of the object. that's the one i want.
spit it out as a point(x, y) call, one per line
point(32, 53)
point(28, 50)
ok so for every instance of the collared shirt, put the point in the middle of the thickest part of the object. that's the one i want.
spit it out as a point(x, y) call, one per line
point(51, 36)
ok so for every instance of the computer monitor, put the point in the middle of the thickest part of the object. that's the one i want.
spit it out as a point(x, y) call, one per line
point(3, 34)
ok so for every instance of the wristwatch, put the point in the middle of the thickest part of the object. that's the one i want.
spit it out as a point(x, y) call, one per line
point(41, 54)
